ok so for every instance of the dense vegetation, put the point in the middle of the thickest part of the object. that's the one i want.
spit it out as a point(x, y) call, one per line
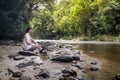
point(68, 19)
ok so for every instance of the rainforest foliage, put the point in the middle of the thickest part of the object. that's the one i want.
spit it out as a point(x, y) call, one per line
point(55, 19)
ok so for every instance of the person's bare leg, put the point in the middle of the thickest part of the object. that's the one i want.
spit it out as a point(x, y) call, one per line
point(38, 46)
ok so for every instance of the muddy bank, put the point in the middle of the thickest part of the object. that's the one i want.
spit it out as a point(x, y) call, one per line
point(54, 66)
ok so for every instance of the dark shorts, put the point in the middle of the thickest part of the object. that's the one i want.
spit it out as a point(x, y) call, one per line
point(32, 48)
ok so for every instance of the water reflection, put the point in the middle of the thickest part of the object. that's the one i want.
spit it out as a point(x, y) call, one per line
point(107, 51)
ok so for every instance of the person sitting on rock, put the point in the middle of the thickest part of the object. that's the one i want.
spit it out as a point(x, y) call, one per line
point(29, 43)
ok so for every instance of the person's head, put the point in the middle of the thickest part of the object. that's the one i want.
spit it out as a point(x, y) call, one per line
point(29, 30)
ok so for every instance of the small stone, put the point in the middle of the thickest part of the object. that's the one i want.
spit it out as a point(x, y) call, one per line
point(37, 60)
point(78, 66)
point(74, 62)
point(43, 73)
point(69, 46)
point(77, 52)
point(80, 78)
point(15, 74)
point(94, 63)
point(60, 46)
point(67, 78)
point(10, 78)
point(37, 77)
point(84, 71)
point(71, 78)
point(1, 59)
point(22, 70)
point(70, 71)
point(93, 68)
point(82, 60)
point(61, 78)
point(35, 68)
point(24, 64)
point(6, 74)
point(66, 75)
point(117, 77)
point(18, 58)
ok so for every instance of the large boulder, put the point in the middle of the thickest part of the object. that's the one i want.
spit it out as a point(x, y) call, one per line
point(65, 58)
point(76, 58)
point(27, 53)
point(12, 56)
point(62, 58)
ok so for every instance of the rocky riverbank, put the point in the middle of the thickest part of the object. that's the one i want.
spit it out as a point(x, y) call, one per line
point(62, 62)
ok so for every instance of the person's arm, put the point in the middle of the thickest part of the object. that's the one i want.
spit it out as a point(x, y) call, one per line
point(33, 41)
point(28, 40)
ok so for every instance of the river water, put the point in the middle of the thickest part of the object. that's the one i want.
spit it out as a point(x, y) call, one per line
point(109, 54)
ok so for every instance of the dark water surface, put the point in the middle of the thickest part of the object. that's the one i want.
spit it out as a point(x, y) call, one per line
point(106, 51)
point(109, 54)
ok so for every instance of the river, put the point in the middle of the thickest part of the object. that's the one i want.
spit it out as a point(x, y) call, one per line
point(109, 54)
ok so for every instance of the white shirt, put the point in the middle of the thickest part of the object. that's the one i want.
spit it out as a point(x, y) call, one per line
point(27, 42)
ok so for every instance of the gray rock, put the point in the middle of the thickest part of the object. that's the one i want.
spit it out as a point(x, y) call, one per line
point(69, 46)
point(27, 53)
point(37, 60)
point(76, 57)
point(62, 58)
point(1, 59)
point(94, 63)
point(65, 58)
point(77, 52)
point(43, 73)
point(25, 64)
point(80, 78)
point(78, 66)
point(25, 78)
point(66, 75)
point(13, 55)
point(71, 72)
point(18, 58)
point(67, 78)
point(15, 74)
point(82, 60)
point(94, 69)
